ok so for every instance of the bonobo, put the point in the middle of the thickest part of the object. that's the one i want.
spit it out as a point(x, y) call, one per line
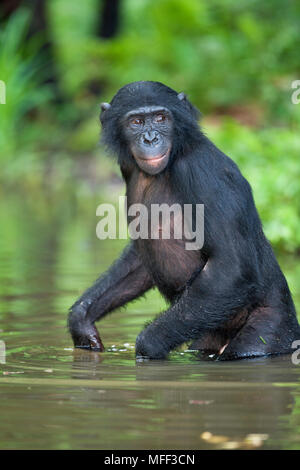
point(229, 297)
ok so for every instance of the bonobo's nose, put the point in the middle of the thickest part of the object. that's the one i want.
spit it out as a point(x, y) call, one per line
point(150, 137)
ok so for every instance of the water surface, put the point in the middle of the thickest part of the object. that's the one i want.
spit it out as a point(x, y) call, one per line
point(55, 397)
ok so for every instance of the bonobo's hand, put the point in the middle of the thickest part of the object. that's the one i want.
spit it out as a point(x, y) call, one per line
point(150, 345)
point(84, 333)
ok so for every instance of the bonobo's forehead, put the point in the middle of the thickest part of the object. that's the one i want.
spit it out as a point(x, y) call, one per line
point(142, 110)
point(145, 88)
point(144, 94)
point(134, 96)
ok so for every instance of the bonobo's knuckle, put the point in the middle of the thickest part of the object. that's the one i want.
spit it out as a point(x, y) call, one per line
point(83, 331)
point(76, 318)
point(149, 347)
point(81, 307)
point(139, 344)
point(77, 314)
point(86, 336)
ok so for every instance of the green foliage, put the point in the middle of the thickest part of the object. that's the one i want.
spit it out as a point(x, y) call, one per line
point(72, 25)
point(222, 52)
point(269, 159)
point(20, 71)
point(226, 55)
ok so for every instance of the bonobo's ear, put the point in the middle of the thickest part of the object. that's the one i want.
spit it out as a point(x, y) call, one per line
point(181, 96)
point(105, 106)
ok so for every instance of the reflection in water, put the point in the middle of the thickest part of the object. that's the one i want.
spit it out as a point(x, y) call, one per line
point(85, 364)
point(55, 397)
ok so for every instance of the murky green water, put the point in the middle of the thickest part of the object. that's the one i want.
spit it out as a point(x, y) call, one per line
point(54, 397)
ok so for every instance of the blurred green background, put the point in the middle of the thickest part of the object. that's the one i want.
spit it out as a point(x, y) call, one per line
point(59, 59)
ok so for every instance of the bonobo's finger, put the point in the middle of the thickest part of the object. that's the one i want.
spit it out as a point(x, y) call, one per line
point(88, 338)
point(84, 333)
point(90, 341)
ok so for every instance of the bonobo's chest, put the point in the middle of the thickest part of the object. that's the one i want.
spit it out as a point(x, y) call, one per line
point(157, 223)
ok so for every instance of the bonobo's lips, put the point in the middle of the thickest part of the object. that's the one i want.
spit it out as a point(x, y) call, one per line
point(156, 160)
point(153, 164)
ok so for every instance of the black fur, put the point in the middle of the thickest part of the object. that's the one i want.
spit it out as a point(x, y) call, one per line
point(230, 298)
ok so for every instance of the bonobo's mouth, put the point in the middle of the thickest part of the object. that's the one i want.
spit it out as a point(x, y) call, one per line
point(156, 159)
point(153, 164)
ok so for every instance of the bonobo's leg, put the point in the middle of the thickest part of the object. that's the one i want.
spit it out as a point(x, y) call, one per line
point(214, 342)
point(212, 299)
point(210, 303)
point(124, 281)
point(211, 342)
point(266, 332)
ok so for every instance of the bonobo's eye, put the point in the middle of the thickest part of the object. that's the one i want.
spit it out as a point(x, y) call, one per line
point(136, 122)
point(160, 118)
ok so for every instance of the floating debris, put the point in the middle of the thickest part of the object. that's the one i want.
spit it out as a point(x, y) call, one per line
point(200, 402)
point(213, 438)
point(12, 373)
point(251, 441)
point(256, 440)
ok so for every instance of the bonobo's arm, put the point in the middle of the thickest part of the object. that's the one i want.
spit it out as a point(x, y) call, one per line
point(125, 280)
point(206, 304)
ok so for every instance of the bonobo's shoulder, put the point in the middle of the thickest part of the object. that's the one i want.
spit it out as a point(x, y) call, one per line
point(222, 163)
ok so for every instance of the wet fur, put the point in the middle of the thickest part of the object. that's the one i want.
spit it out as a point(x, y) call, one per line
point(230, 293)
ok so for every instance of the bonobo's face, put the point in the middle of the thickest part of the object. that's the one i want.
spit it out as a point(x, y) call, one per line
point(148, 131)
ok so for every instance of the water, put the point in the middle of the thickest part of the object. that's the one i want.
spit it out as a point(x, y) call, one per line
point(55, 397)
